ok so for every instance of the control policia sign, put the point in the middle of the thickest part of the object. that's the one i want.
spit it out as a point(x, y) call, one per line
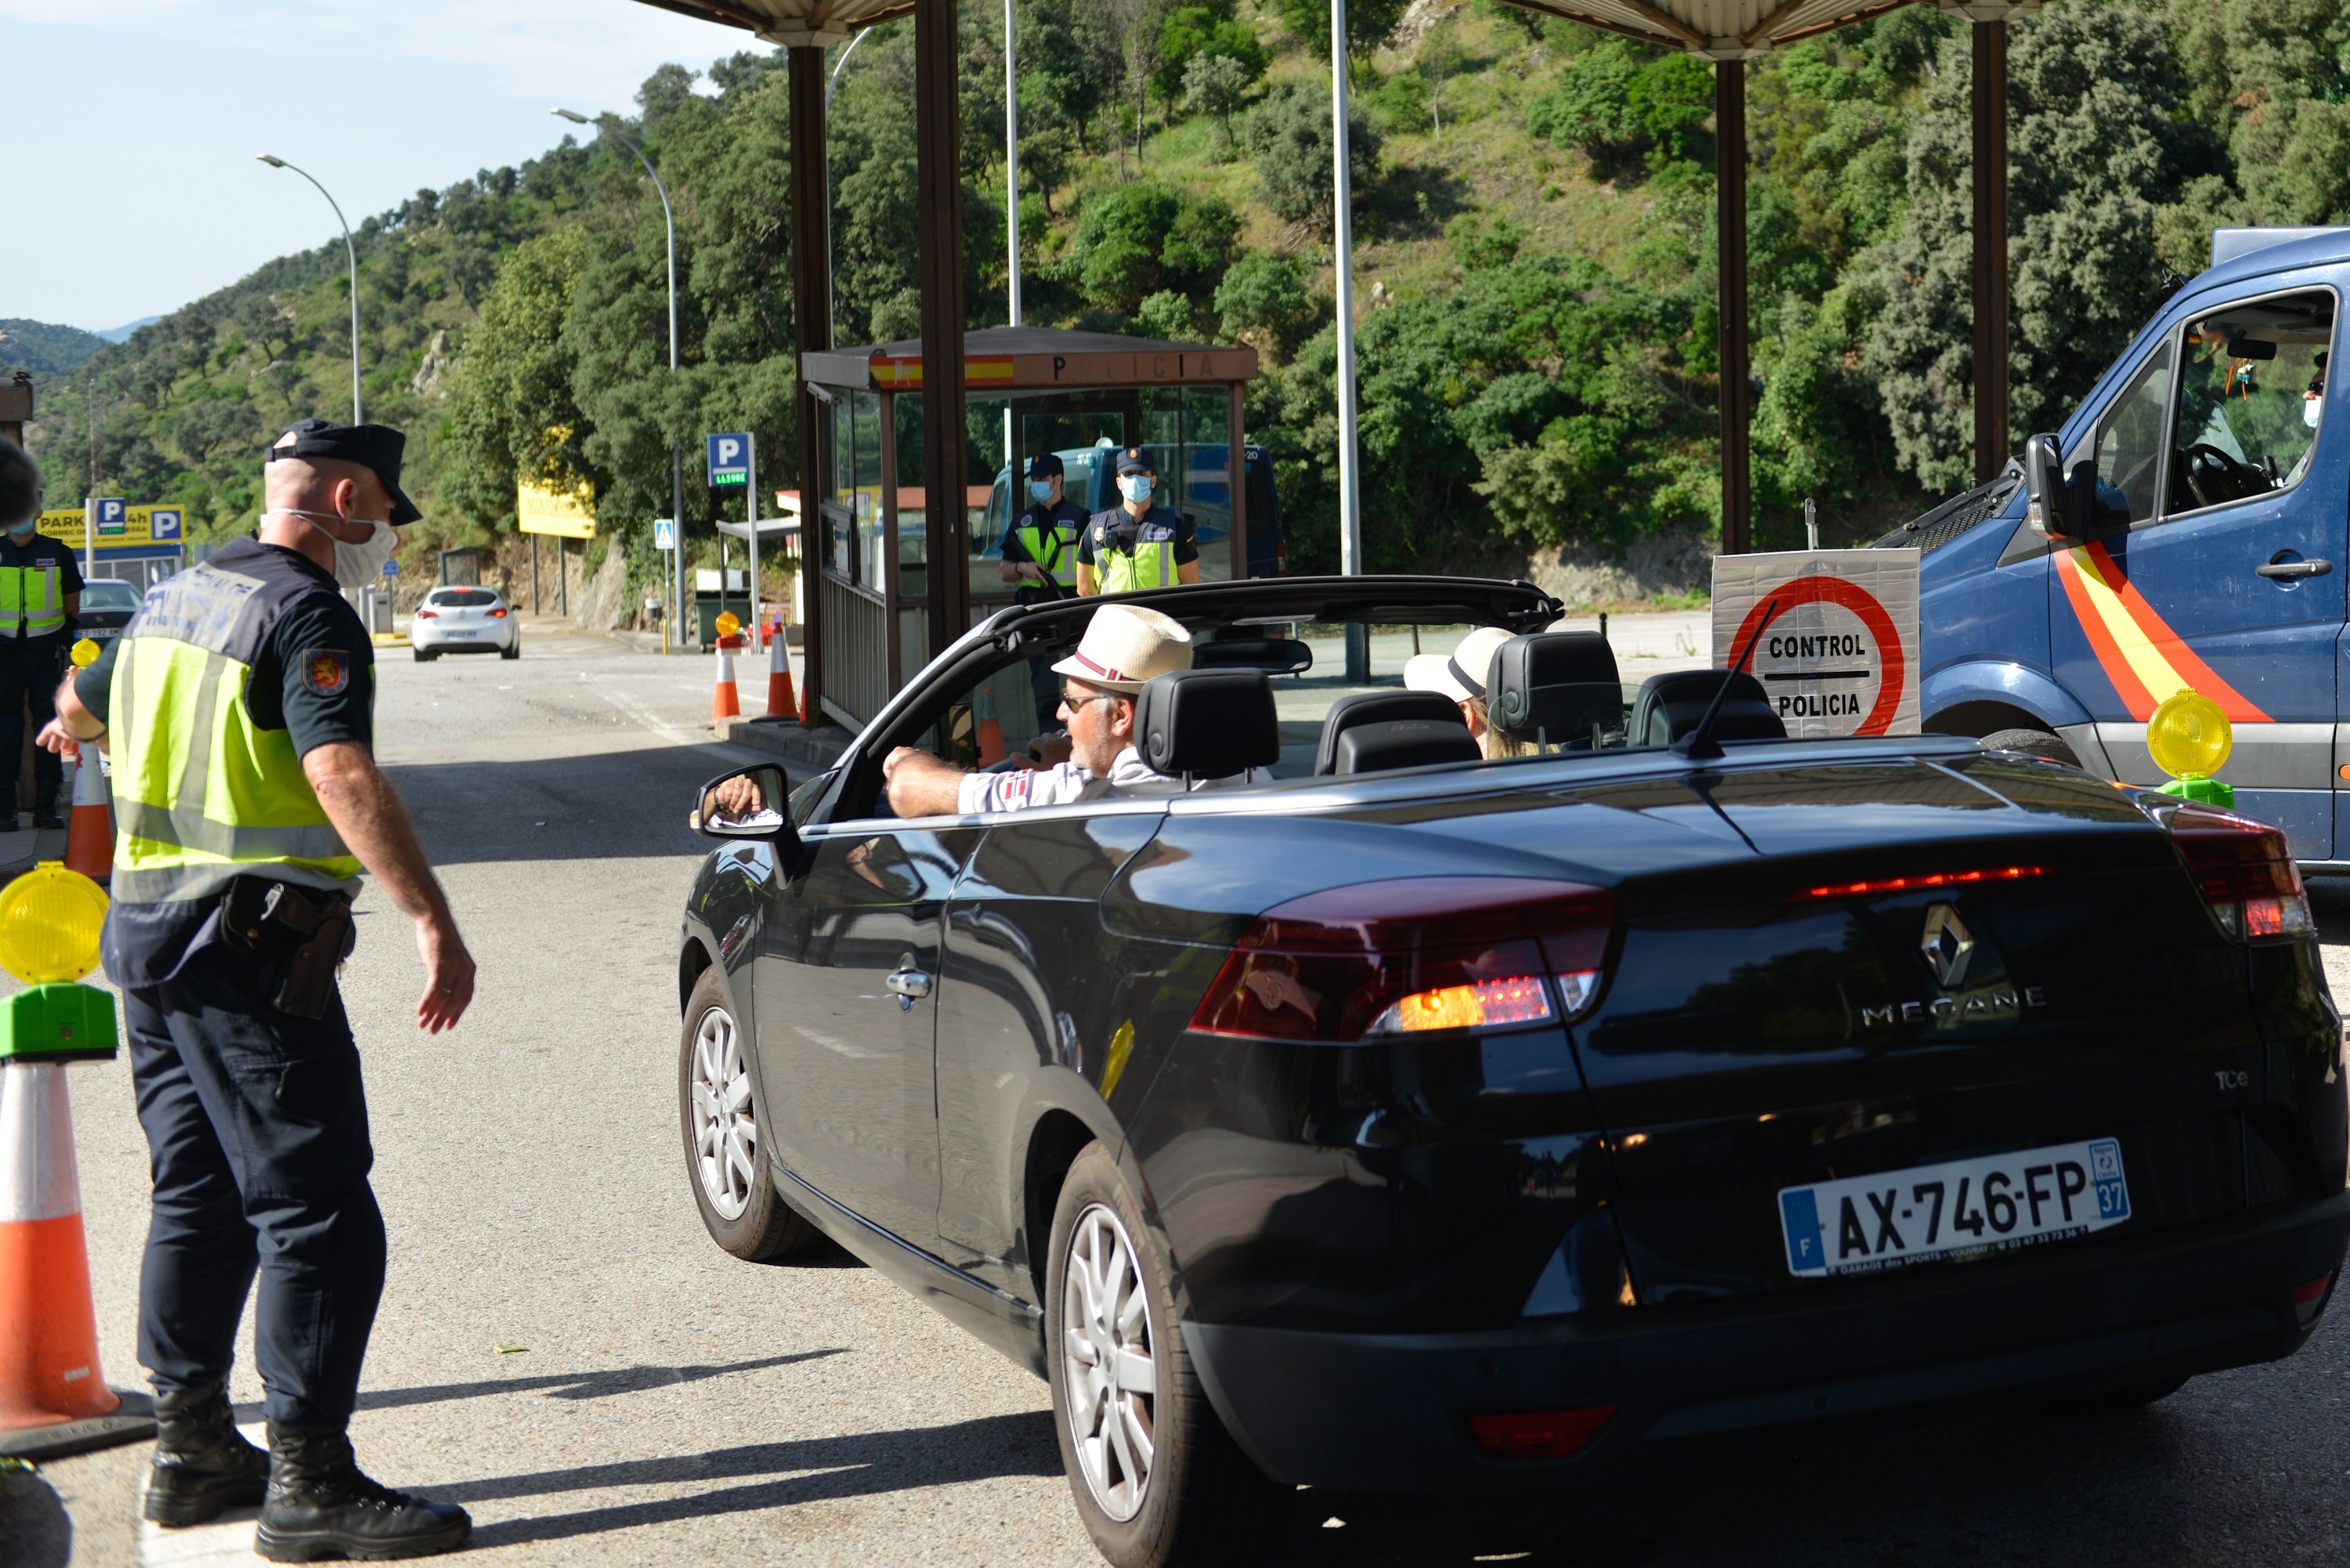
point(1831, 634)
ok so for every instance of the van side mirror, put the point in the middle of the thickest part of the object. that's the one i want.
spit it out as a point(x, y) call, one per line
point(750, 803)
point(2053, 508)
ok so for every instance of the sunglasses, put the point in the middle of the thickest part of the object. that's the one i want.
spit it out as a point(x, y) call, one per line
point(1070, 699)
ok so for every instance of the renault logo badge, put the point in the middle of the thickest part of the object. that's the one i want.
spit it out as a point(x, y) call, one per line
point(1946, 945)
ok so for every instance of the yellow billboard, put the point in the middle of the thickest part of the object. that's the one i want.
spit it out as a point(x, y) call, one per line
point(136, 527)
point(543, 509)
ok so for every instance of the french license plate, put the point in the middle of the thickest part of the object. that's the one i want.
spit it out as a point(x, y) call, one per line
point(1961, 1209)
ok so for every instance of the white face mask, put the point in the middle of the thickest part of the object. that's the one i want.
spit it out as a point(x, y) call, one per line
point(2311, 407)
point(356, 566)
point(1135, 487)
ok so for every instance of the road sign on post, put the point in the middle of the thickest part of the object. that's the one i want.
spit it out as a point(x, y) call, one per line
point(730, 458)
point(664, 533)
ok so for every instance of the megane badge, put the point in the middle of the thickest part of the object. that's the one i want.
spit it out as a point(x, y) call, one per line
point(1946, 945)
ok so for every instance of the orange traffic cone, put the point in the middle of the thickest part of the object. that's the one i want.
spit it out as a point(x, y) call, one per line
point(781, 703)
point(725, 702)
point(806, 705)
point(90, 830)
point(53, 1399)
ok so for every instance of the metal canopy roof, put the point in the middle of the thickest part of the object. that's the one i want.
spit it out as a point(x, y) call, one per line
point(1718, 29)
point(1035, 358)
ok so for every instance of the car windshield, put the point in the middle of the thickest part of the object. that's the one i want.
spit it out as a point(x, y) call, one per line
point(107, 593)
point(463, 598)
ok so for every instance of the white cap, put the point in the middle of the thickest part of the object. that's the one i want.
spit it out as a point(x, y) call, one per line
point(1462, 673)
point(1126, 646)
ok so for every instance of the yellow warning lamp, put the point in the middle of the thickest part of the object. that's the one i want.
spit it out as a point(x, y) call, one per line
point(85, 654)
point(2191, 739)
point(728, 623)
point(49, 923)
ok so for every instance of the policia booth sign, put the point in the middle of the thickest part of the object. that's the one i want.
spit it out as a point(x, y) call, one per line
point(1831, 634)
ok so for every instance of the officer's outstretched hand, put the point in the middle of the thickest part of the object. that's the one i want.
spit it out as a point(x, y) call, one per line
point(448, 973)
point(53, 738)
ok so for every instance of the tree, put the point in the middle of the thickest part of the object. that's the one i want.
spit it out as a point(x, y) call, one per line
point(1289, 134)
point(1368, 24)
point(1263, 301)
point(1216, 84)
point(1624, 104)
point(1136, 240)
point(512, 414)
point(1167, 315)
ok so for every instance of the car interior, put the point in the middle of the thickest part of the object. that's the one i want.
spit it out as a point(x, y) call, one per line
point(1252, 700)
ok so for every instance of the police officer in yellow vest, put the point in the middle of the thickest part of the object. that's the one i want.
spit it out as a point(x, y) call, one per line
point(40, 590)
point(1040, 556)
point(1136, 544)
point(238, 709)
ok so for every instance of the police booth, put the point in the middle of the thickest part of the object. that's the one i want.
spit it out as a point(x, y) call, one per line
point(1084, 396)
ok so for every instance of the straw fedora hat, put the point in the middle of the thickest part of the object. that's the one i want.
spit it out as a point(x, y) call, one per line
point(1462, 673)
point(1126, 646)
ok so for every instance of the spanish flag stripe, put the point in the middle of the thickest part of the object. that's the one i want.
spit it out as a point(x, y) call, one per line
point(2199, 676)
point(2132, 691)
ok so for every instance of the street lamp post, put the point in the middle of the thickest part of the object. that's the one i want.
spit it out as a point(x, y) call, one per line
point(351, 251)
point(676, 462)
point(1351, 492)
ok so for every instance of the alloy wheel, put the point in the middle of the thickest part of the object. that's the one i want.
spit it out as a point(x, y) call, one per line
point(1109, 1375)
point(725, 1134)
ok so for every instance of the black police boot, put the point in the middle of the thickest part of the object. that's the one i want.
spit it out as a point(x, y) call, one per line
point(203, 1464)
point(44, 807)
point(321, 1505)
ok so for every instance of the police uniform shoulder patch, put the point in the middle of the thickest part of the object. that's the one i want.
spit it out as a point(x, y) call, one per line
point(326, 671)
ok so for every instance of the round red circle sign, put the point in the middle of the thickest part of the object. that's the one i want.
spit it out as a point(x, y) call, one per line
point(1848, 595)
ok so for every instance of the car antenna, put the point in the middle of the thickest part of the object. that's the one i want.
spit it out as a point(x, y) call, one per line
point(1699, 745)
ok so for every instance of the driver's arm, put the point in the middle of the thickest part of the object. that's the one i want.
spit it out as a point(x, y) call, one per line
point(919, 784)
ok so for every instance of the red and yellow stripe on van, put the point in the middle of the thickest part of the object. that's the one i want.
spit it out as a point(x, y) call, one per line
point(2145, 661)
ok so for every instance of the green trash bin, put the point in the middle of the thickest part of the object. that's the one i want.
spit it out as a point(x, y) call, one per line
point(710, 601)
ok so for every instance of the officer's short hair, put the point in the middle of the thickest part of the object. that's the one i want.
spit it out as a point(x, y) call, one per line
point(20, 484)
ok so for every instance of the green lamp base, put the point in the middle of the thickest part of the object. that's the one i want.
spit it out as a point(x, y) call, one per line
point(2196, 787)
point(66, 1023)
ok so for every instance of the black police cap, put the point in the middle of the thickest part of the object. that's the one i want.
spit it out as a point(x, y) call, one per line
point(1135, 460)
point(1044, 465)
point(373, 447)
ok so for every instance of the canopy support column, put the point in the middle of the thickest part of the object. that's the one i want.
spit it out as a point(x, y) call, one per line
point(1737, 395)
point(811, 333)
point(938, 139)
point(1991, 280)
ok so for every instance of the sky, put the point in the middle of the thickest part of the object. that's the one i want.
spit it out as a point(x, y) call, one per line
point(128, 148)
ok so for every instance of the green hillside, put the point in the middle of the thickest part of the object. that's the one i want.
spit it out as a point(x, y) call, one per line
point(46, 349)
point(1535, 278)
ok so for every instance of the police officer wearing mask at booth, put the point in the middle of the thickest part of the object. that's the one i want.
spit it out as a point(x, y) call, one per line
point(1040, 554)
point(1135, 545)
point(238, 707)
point(40, 592)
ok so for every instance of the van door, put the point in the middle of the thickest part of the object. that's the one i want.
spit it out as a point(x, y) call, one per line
point(2219, 562)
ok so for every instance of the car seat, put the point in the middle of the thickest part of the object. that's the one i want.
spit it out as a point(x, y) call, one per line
point(1207, 723)
point(1669, 706)
point(1555, 687)
point(1405, 743)
point(1361, 707)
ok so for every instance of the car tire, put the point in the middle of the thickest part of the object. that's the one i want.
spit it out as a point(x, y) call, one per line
point(426, 655)
point(2033, 743)
point(1194, 1498)
point(513, 650)
point(740, 1206)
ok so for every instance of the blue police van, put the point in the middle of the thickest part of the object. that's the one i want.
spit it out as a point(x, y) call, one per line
point(2188, 528)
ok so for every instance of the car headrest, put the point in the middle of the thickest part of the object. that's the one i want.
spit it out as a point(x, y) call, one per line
point(1380, 707)
point(1670, 705)
point(1561, 685)
point(1406, 744)
point(1207, 723)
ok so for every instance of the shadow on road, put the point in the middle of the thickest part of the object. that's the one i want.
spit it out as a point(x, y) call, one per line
point(577, 1385)
point(607, 805)
point(813, 1470)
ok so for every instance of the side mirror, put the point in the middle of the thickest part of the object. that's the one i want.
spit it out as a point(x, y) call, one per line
point(750, 803)
point(2043, 485)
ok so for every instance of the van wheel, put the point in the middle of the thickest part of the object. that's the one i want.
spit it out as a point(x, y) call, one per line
point(2033, 743)
point(726, 1161)
point(1159, 1482)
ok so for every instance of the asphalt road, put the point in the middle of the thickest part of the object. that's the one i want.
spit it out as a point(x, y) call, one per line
point(563, 1350)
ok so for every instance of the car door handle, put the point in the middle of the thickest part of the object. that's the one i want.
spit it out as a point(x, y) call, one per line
point(908, 983)
point(2295, 568)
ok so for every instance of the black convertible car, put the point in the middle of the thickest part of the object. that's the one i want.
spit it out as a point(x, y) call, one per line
point(1421, 1122)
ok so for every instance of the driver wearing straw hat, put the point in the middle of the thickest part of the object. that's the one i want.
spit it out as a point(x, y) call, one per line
point(1124, 649)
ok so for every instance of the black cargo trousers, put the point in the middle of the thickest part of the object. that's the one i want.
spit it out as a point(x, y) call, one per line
point(257, 1140)
point(30, 669)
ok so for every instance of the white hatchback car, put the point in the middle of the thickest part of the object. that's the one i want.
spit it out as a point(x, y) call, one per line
point(465, 620)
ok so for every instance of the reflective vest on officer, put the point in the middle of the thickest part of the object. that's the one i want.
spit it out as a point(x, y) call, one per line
point(31, 597)
point(1058, 559)
point(202, 794)
point(1120, 567)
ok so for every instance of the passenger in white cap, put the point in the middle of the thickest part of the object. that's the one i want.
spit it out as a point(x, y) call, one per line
point(1462, 675)
point(1124, 647)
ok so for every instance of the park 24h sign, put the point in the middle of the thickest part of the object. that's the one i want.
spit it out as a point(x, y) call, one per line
point(1831, 634)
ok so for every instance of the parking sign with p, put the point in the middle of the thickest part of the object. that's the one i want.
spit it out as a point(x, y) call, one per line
point(730, 458)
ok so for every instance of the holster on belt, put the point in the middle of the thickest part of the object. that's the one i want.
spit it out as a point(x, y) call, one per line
point(300, 934)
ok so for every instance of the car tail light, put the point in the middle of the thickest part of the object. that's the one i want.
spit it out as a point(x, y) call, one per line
point(2309, 1300)
point(1926, 881)
point(1539, 1434)
point(499, 613)
point(1413, 956)
point(428, 615)
point(2245, 872)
